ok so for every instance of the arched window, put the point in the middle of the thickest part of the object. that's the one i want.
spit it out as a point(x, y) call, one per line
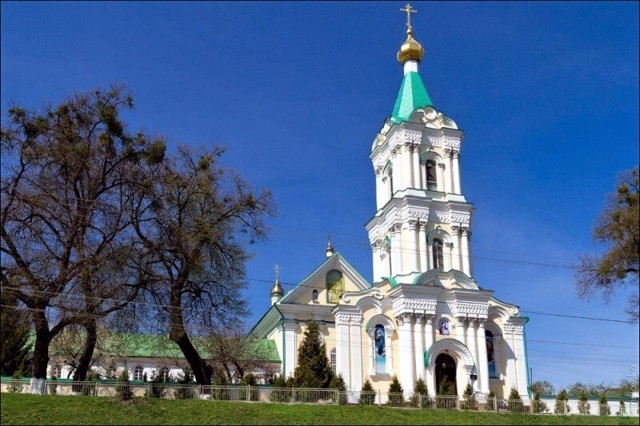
point(335, 286)
point(137, 373)
point(438, 256)
point(164, 374)
point(332, 358)
point(380, 349)
point(432, 182)
point(491, 357)
point(314, 296)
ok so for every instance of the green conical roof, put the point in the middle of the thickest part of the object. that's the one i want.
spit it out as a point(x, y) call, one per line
point(412, 95)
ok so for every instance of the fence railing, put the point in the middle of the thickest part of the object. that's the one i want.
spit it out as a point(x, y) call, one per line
point(169, 390)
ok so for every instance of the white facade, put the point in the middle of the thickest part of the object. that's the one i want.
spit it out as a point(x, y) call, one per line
point(423, 316)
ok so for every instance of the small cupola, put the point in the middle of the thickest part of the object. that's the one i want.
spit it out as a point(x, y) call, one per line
point(277, 292)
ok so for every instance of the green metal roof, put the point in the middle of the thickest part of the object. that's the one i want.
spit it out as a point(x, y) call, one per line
point(412, 95)
point(160, 346)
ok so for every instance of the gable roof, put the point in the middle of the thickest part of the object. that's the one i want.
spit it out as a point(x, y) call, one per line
point(334, 262)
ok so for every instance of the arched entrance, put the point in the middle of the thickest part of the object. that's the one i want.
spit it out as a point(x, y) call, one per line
point(446, 371)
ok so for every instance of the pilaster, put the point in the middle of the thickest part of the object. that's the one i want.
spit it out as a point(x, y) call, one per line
point(483, 370)
point(418, 339)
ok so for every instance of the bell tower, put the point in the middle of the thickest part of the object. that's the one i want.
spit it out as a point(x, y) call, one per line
point(423, 220)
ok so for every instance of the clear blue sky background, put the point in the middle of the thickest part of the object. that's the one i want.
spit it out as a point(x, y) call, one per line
point(547, 94)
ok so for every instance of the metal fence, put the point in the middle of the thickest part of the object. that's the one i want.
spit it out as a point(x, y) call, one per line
point(267, 394)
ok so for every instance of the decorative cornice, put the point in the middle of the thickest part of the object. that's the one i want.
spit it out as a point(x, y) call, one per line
point(465, 308)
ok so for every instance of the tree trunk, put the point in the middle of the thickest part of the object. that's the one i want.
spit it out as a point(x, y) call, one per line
point(89, 345)
point(201, 370)
point(40, 358)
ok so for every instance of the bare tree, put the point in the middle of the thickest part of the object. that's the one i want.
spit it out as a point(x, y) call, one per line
point(71, 182)
point(618, 228)
point(203, 217)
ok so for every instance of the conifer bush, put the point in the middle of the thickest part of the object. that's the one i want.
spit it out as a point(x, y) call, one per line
point(337, 382)
point(469, 402)
point(583, 404)
point(538, 405)
point(367, 394)
point(280, 391)
point(123, 388)
point(156, 386)
point(420, 388)
point(313, 368)
point(515, 402)
point(605, 410)
point(561, 403)
point(184, 391)
point(396, 396)
point(622, 410)
point(245, 382)
point(445, 389)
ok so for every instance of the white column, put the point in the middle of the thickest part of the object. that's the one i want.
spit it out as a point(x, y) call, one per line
point(412, 250)
point(471, 344)
point(464, 251)
point(406, 167)
point(440, 173)
point(415, 163)
point(456, 171)
point(355, 343)
point(396, 250)
point(396, 166)
point(418, 340)
point(423, 174)
point(511, 361)
point(483, 370)
point(428, 341)
point(342, 349)
point(291, 351)
point(460, 329)
point(422, 248)
point(406, 353)
point(447, 172)
point(375, 251)
point(521, 368)
point(454, 252)
point(381, 190)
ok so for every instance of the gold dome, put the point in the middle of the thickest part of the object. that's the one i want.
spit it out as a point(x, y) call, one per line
point(410, 49)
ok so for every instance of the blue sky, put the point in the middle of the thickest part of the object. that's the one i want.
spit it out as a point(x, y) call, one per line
point(547, 94)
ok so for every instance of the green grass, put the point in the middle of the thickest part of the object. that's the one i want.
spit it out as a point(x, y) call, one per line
point(35, 409)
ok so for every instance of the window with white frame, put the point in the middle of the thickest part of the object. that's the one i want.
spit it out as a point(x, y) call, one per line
point(138, 373)
point(164, 374)
point(332, 357)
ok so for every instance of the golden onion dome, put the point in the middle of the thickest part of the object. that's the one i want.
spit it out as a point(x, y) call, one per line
point(410, 49)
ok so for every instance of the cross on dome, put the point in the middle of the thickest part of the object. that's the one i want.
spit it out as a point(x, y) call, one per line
point(409, 10)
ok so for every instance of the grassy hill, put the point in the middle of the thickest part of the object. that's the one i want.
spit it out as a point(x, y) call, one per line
point(34, 409)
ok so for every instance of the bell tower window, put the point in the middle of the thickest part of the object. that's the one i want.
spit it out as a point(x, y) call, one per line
point(438, 256)
point(432, 182)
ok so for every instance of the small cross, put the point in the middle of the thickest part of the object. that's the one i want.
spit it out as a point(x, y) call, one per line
point(277, 269)
point(409, 10)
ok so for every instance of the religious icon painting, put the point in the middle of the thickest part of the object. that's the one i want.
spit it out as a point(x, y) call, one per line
point(444, 327)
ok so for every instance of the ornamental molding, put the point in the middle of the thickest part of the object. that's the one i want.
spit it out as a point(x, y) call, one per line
point(348, 318)
point(403, 306)
point(384, 320)
point(460, 217)
point(444, 142)
point(450, 345)
point(479, 310)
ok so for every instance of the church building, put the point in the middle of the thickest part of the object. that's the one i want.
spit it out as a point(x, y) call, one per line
point(423, 316)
